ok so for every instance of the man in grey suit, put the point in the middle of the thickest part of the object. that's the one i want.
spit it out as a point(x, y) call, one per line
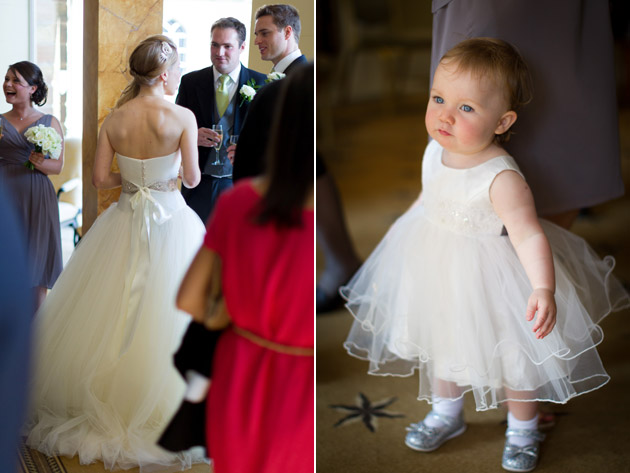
point(277, 33)
point(213, 95)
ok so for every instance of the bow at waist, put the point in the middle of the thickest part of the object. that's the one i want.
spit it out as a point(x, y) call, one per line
point(146, 209)
point(142, 196)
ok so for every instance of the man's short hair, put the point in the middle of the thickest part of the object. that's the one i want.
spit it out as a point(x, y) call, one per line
point(231, 22)
point(283, 15)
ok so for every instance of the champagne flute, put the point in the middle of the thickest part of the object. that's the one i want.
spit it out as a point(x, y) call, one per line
point(233, 139)
point(219, 130)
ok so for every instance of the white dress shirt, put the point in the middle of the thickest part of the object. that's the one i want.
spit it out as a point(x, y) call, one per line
point(231, 84)
point(286, 61)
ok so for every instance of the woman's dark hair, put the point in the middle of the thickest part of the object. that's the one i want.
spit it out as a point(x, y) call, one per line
point(33, 76)
point(291, 151)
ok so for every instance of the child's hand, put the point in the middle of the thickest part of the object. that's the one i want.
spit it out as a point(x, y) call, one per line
point(543, 302)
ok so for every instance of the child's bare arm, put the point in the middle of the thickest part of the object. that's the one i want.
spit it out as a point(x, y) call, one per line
point(514, 204)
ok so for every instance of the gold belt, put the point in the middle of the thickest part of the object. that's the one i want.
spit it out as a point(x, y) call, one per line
point(263, 342)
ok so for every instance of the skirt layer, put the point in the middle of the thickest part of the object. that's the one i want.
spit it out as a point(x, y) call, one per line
point(105, 386)
point(453, 307)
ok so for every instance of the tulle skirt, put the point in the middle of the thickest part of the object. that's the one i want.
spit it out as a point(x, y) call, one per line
point(104, 383)
point(453, 307)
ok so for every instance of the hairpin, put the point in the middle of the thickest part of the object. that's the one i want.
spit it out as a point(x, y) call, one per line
point(166, 51)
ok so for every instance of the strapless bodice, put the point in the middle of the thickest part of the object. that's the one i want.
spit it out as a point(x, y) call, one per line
point(148, 172)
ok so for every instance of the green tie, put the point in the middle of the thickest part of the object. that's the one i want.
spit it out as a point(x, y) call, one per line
point(222, 95)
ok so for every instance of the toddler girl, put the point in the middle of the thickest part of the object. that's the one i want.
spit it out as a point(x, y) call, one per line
point(469, 286)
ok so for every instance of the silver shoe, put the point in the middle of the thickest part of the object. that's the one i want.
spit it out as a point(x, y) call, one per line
point(423, 438)
point(521, 459)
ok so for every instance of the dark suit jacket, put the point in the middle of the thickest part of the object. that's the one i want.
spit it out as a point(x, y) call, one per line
point(196, 92)
point(296, 62)
point(249, 159)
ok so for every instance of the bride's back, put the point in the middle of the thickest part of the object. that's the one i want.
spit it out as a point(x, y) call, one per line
point(145, 127)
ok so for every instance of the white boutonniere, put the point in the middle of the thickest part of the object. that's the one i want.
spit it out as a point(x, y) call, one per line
point(273, 76)
point(46, 140)
point(248, 91)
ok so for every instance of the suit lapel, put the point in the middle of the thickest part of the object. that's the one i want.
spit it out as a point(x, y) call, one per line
point(205, 96)
point(298, 60)
point(240, 112)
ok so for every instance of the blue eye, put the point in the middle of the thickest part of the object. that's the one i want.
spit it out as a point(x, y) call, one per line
point(467, 108)
point(438, 99)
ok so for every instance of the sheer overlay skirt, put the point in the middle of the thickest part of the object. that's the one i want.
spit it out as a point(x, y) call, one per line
point(104, 383)
point(454, 309)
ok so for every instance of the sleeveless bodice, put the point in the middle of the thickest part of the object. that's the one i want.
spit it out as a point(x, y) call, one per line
point(14, 147)
point(149, 172)
point(459, 199)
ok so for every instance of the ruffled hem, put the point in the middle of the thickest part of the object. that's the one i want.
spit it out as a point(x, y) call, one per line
point(455, 311)
point(104, 382)
point(118, 450)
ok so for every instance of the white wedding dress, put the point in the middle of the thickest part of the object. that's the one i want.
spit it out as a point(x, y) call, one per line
point(104, 383)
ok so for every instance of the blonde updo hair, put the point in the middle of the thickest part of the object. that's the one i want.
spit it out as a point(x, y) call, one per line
point(151, 57)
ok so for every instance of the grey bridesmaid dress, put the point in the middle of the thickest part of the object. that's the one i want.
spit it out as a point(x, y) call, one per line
point(34, 198)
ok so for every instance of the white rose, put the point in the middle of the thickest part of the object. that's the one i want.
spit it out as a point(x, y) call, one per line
point(55, 151)
point(39, 135)
point(275, 76)
point(46, 143)
point(248, 92)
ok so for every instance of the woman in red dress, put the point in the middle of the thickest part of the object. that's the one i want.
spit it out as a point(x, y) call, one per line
point(260, 415)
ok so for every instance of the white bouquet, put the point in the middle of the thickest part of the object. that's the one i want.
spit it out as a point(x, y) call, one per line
point(46, 140)
point(272, 76)
point(248, 91)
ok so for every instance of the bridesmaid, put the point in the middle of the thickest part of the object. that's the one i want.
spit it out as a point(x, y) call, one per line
point(33, 195)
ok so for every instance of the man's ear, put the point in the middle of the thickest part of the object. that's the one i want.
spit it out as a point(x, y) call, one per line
point(288, 30)
point(505, 122)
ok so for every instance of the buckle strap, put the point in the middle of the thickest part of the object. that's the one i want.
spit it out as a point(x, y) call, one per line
point(422, 427)
point(531, 434)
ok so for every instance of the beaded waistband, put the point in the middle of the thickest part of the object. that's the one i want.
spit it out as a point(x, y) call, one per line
point(263, 342)
point(162, 186)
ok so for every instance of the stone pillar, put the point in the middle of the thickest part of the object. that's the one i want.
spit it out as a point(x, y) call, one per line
point(112, 29)
point(306, 8)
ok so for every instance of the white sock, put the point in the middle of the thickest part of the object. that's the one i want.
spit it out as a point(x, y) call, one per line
point(514, 423)
point(445, 407)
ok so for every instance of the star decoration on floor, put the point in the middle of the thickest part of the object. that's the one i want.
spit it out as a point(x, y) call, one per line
point(366, 411)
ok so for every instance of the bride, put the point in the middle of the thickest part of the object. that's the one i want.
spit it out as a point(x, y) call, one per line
point(104, 385)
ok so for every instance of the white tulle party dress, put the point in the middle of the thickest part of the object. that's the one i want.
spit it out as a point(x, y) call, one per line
point(444, 293)
point(104, 382)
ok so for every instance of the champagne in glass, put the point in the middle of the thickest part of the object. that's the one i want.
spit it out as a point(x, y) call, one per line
point(233, 139)
point(219, 130)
